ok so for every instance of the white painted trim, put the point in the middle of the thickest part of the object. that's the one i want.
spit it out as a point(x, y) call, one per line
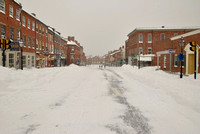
point(186, 34)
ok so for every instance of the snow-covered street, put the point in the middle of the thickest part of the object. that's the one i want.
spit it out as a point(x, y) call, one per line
point(89, 100)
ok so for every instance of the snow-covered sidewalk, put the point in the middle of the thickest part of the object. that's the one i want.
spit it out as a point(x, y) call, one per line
point(80, 100)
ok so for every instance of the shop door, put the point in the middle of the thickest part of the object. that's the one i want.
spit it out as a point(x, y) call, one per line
point(190, 63)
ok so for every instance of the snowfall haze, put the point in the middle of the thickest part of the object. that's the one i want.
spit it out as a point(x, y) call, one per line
point(102, 25)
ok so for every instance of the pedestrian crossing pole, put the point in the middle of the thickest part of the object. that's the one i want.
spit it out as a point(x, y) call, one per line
point(195, 60)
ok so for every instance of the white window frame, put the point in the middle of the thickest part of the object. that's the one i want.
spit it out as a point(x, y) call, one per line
point(149, 39)
point(140, 36)
point(29, 42)
point(149, 48)
point(23, 21)
point(33, 26)
point(33, 43)
point(29, 24)
point(2, 6)
point(11, 11)
point(140, 50)
point(162, 35)
point(36, 44)
point(18, 14)
point(72, 48)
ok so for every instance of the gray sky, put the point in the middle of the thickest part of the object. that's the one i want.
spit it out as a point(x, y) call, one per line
point(103, 25)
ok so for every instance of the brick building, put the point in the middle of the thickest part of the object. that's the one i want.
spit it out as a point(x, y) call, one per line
point(51, 47)
point(28, 37)
point(73, 54)
point(172, 63)
point(140, 43)
point(10, 29)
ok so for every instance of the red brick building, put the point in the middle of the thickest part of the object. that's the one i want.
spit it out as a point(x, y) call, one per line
point(28, 37)
point(73, 54)
point(140, 43)
point(51, 47)
point(172, 63)
point(41, 44)
point(10, 29)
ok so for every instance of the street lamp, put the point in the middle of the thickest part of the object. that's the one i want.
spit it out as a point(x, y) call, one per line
point(21, 46)
point(181, 43)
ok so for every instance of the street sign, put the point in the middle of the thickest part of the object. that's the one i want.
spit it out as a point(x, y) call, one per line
point(181, 56)
point(14, 46)
point(170, 51)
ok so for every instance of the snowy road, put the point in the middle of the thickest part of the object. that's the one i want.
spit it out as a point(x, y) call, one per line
point(80, 100)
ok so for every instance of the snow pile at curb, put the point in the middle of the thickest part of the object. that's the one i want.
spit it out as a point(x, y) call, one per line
point(127, 67)
point(73, 65)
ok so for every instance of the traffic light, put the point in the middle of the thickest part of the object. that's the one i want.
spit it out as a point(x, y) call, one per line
point(193, 46)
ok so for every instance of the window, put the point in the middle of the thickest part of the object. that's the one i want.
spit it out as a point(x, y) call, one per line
point(29, 24)
point(12, 33)
point(72, 48)
point(46, 47)
point(175, 34)
point(24, 40)
point(176, 60)
point(42, 45)
point(46, 33)
point(33, 61)
point(11, 11)
point(149, 50)
point(141, 38)
point(29, 42)
point(162, 36)
point(18, 14)
point(3, 30)
point(149, 38)
point(24, 61)
point(18, 35)
point(23, 21)
point(33, 26)
point(39, 29)
point(140, 50)
point(36, 44)
point(36, 27)
point(52, 48)
point(43, 31)
point(165, 61)
point(33, 43)
point(2, 6)
point(11, 60)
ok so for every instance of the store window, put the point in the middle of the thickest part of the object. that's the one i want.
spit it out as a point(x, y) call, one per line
point(11, 60)
point(2, 6)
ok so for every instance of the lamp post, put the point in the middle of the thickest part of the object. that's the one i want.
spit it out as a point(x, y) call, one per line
point(181, 43)
point(21, 46)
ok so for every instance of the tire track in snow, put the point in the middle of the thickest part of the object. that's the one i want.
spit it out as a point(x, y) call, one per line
point(135, 122)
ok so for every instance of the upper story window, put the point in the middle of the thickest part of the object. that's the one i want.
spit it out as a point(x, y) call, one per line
point(43, 30)
point(149, 38)
point(3, 30)
point(175, 34)
point(36, 27)
point(23, 21)
point(36, 43)
point(140, 50)
point(72, 48)
point(12, 33)
point(162, 36)
point(39, 28)
point(18, 14)
point(11, 11)
point(46, 33)
point(18, 35)
point(2, 6)
point(140, 38)
point(29, 24)
point(24, 40)
point(33, 26)
point(149, 50)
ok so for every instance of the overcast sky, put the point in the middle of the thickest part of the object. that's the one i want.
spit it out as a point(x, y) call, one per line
point(102, 25)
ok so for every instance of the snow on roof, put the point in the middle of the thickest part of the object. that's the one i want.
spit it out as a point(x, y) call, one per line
point(18, 2)
point(186, 34)
point(115, 52)
point(163, 28)
point(72, 43)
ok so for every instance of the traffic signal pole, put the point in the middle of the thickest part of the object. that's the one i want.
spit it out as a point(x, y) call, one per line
point(195, 60)
point(3, 54)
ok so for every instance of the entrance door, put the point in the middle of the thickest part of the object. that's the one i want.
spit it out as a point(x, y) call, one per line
point(190, 63)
